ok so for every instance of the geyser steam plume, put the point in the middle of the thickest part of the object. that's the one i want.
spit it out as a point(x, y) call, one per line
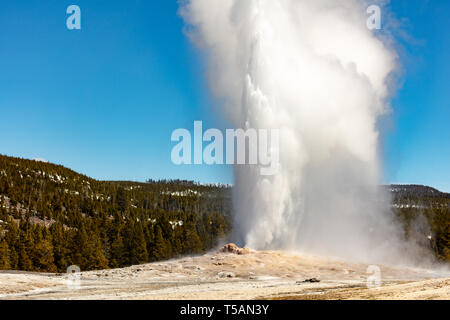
point(313, 70)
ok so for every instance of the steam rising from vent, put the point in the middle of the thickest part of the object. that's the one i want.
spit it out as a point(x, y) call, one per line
point(313, 70)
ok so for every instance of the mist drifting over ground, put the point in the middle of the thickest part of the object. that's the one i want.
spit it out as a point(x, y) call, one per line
point(315, 71)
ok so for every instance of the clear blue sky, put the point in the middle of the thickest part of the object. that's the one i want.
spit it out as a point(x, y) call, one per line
point(104, 100)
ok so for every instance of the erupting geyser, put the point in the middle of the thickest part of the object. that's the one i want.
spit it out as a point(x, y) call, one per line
point(315, 71)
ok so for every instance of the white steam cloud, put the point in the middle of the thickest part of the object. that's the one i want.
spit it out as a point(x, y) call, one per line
point(313, 70)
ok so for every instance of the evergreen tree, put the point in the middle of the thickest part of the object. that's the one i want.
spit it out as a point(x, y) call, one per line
point(88, 251)
point(191, 240)
point(25, 248)
point(160, 248)
point(4, 256)
point(122, 201)
point(61, 254)
point(138, 247)
point(43, 257)
point(118, 254)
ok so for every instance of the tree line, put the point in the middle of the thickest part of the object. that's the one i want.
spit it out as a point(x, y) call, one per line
point(52, 217)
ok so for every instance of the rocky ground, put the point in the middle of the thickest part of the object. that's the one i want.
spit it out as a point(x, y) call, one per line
point(232, 273)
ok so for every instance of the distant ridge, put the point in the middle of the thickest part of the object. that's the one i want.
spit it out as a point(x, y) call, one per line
point(416, 190)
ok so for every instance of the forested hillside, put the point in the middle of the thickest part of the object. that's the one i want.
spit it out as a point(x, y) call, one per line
point(52, 217)
point(425, 214)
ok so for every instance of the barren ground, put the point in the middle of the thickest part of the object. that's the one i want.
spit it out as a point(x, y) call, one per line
point(217, 275)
